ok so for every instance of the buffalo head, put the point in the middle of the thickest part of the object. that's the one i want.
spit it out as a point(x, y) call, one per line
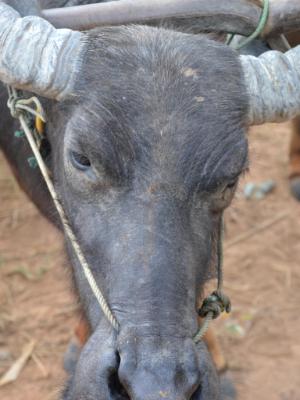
point(148, 134)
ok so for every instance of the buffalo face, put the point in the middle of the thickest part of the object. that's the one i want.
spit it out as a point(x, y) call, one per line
point(147, 157)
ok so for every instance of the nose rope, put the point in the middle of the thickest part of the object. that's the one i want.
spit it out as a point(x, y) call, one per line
point(218, 302)
point(17, 109)
point(212, 306)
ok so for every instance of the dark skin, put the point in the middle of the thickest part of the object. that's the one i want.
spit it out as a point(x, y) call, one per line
point(145, 159)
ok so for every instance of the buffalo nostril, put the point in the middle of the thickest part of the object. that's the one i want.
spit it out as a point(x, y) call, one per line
point(116, 389)
point(195, 391)
point(196, 394)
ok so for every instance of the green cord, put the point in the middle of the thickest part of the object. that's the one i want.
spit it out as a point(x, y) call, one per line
point(260, 27)
point(230, 37)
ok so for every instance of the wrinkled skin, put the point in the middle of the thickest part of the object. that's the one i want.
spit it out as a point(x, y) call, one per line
point(145, 159)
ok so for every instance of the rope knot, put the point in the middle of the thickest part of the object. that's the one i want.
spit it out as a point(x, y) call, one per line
point(12, 105)
point(26, 106)
point(215, 304)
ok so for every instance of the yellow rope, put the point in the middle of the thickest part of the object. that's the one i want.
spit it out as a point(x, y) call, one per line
point(85, 267)
point(23, 105)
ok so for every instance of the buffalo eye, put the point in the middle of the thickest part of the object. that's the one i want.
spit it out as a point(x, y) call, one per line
point(231, 185)
point(80, 161)
point(223, 196)
point(229, 189)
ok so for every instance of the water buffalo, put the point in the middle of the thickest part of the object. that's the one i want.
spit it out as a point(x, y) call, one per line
point(147, 128)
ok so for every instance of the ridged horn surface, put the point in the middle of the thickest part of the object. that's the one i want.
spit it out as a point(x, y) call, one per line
point(273, 84)
point(35, 56)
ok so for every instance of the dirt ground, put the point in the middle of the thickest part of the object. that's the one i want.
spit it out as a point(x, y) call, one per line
point(262, 276)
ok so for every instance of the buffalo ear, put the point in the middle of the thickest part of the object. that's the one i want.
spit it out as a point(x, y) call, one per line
point(35, 56)
point(273, 85)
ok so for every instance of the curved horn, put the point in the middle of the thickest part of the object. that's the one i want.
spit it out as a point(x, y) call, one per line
point(234, 16)
point(36, 57)
point(239, 16)
point(273, 84)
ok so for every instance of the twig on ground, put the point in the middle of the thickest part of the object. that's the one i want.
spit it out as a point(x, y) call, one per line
point(14, 371)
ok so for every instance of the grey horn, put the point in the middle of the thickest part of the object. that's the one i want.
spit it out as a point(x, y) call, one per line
point(273, 84)
point(37, 57)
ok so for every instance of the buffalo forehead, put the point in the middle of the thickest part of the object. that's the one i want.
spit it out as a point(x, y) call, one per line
point(168, 99)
